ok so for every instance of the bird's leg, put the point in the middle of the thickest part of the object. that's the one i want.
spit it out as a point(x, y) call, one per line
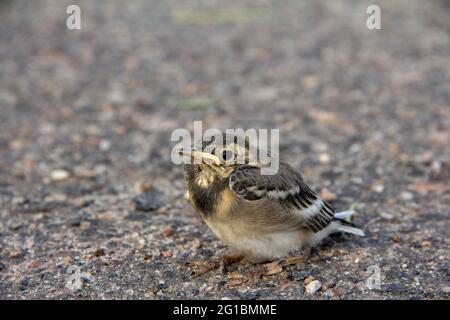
point(302, 257)
point(269, 268)
point(276, 266)
point(217, 263)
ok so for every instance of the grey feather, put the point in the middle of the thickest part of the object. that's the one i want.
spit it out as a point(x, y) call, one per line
point(298, 202)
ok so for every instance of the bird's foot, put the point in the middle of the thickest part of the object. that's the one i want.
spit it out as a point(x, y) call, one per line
point(255, 272)
point(271, 268)
point(217, 263)
point(302, 257)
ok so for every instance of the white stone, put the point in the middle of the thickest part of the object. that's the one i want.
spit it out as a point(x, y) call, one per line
point(378, 188)
point(59, 175)
point(313, 286)
point(324, 158)
point(407, 196)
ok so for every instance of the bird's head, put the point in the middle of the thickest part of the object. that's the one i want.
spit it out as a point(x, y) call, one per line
point(216, 157)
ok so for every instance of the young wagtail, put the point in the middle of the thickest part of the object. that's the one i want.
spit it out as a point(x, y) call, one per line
point(260, 217)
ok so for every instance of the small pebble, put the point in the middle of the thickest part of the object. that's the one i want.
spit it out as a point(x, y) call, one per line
point(141, 243)
point(313, 286)
point(387, 216)
point(147, 202)
point(426, 243)
point(378, 188)
point(407, 196)
point(196, 244)
point(15, 255)
point(99, 252)
point(309, 279)
point(168, 231)
point(167, 254)
point(104, 145)
point(145, 186)
point(156, 253)
point(324, 158)
point(59, 175)
point(298, 275)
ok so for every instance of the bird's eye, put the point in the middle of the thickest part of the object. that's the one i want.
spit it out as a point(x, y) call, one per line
point(227, 155)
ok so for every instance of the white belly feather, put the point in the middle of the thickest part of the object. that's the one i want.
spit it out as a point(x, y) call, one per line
point(258, 246)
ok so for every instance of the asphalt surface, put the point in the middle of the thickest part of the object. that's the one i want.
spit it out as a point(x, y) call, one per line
point(86, 181)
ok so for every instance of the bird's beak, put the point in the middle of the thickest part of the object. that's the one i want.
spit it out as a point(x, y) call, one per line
point(200, 157)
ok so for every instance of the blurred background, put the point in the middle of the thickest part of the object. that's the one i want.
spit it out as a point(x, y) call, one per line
point(86, 117)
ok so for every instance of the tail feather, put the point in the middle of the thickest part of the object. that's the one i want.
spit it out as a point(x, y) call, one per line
point(351, 230)
point(347, 226)
point(345, 214)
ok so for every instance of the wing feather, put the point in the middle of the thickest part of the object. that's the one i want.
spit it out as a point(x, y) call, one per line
point(288, 189)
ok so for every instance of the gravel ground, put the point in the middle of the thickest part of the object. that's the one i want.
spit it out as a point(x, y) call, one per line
point(86, 179)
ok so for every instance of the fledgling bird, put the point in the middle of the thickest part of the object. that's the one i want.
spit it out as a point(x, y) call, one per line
point(260, 217)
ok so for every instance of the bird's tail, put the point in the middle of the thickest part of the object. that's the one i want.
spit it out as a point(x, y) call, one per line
point(351, 230)
point(346, 226)
point(344, 214)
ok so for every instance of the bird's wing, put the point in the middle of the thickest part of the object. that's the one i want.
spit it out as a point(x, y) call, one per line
point(300, 203)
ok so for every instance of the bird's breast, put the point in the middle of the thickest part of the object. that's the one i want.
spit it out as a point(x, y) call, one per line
point(209, 200)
